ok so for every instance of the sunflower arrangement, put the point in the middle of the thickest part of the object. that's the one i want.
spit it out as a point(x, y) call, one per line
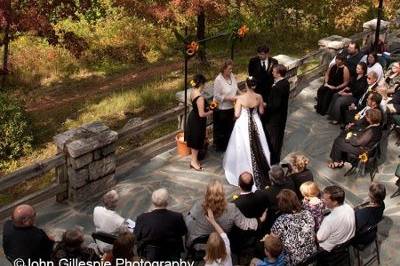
point(363, 157)
point(213, 105)
point(192, 48)
point(242, 31)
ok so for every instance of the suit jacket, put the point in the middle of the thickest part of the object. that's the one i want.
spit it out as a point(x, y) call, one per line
point(263, 77)
point(26, 243)
point(162, 228)
point(396, 101)
point(277, 103)
point(300, 178)
point(252, 205)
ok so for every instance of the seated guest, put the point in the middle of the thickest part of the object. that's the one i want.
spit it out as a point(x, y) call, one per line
point(160, 228)
point(218, 251)
point(252, 205)
point(353, 56)
point(106, 219)
point(279, 181)
point(71, 248)
point(392, 78)
point(123, 248)
point(336, 78)
point(373, 65)
point(369, 214)
point(359, 122)
point(330, 234)
point(351, 94)
point(372, 80)
point(23, 240)
point(295, 228)
point(226, 214)
point(349, 146)
point(312, 202)
point(273, 250)
point(298, 172)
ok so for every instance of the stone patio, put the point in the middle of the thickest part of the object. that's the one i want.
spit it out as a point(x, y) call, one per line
point(306, 131)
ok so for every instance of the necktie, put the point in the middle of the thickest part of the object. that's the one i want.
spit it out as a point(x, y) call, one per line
point(263, 64)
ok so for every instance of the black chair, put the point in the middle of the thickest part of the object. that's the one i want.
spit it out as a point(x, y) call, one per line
point(359, 168)
point(104, 237)
point(339, 255)
point(360, 247)
point(194, 254)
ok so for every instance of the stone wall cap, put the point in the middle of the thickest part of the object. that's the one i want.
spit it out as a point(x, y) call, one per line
point(334, 42)
point(80, 147)
point(288, 61)
point(371, 25)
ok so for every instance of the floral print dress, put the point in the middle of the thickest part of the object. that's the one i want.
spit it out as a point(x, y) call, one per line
point(296, 231)
point(317, 210)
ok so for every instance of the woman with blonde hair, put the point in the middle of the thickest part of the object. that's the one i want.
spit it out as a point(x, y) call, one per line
point(312, 202)
point(225, 213)
point(218, 251)
point(299, 172)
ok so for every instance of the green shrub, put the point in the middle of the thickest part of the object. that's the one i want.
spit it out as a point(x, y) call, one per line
point(15, 135)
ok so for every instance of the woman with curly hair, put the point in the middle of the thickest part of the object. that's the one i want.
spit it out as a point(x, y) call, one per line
point(226, 214)
point(299, 172)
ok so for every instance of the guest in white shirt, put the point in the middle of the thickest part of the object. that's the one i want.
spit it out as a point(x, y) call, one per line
point(106, 219)
point(225, 90)
point(218, 251)
point(374, 65)
point(339, 226)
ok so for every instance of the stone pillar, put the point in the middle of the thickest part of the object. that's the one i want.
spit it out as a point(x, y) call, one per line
point(331, 46)
point(292, 64)
point(90, 159)
point(369, 29)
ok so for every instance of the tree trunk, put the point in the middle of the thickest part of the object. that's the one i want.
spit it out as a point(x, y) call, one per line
point(6, 43)
point(201, 34)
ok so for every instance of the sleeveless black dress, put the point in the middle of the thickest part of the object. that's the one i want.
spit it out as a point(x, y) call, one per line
point(195, 131)
point(324, 94)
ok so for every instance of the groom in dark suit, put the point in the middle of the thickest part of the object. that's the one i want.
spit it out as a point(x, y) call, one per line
point(275, 114)
point(260, 68)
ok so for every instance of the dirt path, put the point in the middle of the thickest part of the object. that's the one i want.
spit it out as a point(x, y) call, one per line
point(55, 99)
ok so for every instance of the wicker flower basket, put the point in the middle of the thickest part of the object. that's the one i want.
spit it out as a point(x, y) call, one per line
point(181, 147)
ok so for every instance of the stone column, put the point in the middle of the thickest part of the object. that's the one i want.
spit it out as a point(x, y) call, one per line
point(369, 29)
point(331, 46)
point(292, 64)
point(91, 160)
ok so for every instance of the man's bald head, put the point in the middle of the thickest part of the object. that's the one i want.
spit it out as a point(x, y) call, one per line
point(23, 215)
point(246, 181)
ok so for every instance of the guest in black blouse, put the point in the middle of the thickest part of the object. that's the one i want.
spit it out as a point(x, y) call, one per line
point(299, 173)
point(349, 145)
point(336, 78)
point(369, 214)
point(351, 94)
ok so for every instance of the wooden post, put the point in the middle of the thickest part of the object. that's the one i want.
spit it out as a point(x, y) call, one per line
point(185, 81)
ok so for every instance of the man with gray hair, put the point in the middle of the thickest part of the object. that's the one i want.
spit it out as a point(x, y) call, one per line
point(106, 219)
point(159, 232)
point(279, 181)
point(22, 240)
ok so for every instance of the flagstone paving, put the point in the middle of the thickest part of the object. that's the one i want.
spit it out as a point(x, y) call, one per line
point(306, 132)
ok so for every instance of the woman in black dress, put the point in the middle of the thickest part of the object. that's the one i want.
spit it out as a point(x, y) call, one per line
point(336, 78)
point(348, 145)
point(369, 214)
point(351, 94)
point(195, 131)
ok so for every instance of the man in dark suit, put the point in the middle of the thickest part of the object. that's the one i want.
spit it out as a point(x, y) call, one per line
point(159, 232)
point(22, 240)
point(260, 67)
point(276, 112)
point(252, 205)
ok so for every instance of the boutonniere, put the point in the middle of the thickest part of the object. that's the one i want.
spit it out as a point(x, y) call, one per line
point(357, 116)
point(349, 135)
point(363, 157)
point(235, 196)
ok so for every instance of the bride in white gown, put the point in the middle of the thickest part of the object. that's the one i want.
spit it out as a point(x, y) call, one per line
point(248, 148)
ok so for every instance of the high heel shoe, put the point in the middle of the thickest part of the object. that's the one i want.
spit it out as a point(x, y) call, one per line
point(197, 169)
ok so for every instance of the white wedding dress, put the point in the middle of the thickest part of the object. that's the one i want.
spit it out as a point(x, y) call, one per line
point(248, 150)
